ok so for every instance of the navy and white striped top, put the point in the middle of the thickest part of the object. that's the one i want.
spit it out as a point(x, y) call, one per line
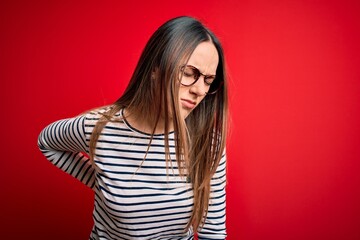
point(134, 198)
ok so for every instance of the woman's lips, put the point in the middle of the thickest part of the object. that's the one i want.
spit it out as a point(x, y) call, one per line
point(188, 103)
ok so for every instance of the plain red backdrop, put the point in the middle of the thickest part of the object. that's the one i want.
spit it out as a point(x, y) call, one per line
point(293, 151)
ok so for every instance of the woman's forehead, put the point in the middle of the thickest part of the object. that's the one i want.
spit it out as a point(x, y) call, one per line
point(205, 57)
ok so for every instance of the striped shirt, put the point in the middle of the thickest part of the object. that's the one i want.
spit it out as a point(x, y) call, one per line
point(134, 198)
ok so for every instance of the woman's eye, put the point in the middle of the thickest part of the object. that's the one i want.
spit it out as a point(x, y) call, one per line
point(209, 80)
point(188, 74)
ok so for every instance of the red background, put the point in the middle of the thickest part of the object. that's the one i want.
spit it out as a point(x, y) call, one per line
point(293, 152)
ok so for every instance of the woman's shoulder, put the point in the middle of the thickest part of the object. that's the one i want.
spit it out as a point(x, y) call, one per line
point(98, 113)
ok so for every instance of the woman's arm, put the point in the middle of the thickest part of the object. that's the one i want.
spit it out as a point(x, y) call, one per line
point(63, 144)
point(214, 227)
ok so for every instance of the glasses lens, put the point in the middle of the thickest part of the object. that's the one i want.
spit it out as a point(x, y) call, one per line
point(215, 86)
point(189, 75)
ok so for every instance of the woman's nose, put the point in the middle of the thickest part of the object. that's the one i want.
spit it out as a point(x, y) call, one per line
point(199, 88)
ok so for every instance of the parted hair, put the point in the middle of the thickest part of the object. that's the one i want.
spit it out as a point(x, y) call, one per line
point(153, 93)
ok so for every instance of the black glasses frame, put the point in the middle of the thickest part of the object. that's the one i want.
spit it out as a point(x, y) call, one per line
point(214, 86)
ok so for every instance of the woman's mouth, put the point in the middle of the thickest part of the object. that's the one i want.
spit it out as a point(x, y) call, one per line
point(187, 103)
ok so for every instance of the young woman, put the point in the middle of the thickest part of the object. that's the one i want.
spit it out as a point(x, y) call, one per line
point(157, 160)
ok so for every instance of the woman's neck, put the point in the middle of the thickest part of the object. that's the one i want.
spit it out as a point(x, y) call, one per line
point(146, 123)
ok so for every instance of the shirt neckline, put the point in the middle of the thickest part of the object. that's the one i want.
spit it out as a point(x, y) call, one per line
point(139, 131)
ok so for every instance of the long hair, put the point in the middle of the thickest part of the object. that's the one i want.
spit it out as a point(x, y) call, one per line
point(153, 92)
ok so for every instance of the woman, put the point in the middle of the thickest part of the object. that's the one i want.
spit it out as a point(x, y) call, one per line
point(157, 158)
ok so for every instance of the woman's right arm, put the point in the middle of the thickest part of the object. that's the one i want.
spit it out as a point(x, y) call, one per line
point(63, 144)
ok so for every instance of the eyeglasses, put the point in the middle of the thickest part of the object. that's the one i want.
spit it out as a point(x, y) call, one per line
point(191, 74)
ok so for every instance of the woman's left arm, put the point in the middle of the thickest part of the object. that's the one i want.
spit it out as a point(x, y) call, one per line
point(214, 227)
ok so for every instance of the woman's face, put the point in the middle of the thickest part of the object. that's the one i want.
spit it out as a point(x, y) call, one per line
point(205, 59)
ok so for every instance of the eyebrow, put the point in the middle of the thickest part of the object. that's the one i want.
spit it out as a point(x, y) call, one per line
point(208, 75)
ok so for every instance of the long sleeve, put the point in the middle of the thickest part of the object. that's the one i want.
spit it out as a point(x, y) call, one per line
point(63, 144)
point(214, 227)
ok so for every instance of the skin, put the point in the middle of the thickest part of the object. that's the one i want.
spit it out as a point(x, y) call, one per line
point(205, 58)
